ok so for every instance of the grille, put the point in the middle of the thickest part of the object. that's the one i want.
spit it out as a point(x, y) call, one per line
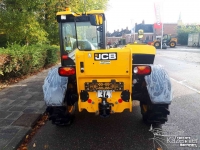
point(91, 86)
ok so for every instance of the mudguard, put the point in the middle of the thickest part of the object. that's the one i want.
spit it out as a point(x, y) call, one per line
point(54, 88)
point(159, 85)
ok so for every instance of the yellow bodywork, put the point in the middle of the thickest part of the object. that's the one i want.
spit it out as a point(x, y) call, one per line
point(174, 39)
point(141, 49)
point(103, 71)
point(69, 12)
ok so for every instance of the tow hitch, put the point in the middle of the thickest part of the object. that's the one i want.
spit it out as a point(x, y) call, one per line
point(104, 106)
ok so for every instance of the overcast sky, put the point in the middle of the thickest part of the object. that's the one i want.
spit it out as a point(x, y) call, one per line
point(121, 13)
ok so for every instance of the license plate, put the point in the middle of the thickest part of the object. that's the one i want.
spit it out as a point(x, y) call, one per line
point(105, 93)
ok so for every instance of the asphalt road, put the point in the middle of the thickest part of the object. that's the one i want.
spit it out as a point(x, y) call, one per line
point(182, 66)
point(126, 131)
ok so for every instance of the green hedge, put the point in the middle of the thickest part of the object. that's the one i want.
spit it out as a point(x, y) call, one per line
point(3, 40)
point(183, 38)
point(16, 60)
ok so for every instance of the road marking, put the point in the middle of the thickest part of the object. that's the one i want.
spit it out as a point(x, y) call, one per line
point(181, 82)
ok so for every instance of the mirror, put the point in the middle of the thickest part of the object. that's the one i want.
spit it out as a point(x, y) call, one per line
point(100, 19)
point(96, 20)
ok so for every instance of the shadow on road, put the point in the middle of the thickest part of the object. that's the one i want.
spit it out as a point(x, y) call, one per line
point(120, 132)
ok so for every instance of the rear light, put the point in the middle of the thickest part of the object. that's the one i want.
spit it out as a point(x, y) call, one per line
point(120, 100)
point(66, 71)
point(142, 70)
point(64, 57)
point(89, 101)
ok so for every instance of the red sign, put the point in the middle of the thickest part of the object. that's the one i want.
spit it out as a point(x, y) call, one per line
point(158, 23)
point(158, 26)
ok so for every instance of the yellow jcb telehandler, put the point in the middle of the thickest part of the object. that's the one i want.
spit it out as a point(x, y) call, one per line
point(104, 80)
point(166, 41)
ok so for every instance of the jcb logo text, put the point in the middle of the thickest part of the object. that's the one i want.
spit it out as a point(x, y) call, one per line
point(105, 56)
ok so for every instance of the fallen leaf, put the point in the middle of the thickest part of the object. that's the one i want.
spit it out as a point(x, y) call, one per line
point(24, 148)
point(34, 145)
point(34, 130)
point(46, 146)
point(41, 123)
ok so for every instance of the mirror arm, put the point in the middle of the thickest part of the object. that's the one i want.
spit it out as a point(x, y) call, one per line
point(76, 32)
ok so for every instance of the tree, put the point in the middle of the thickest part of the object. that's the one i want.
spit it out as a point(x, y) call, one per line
point(184, 30)
point(20, 22)
point(23, 28)
point(33, 21)
point(82, 5)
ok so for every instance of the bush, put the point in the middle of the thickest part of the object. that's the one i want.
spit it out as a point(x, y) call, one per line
point(53, 55)
point(183, 38)
point(16, 60)
point(183, 32)
point(3, 40)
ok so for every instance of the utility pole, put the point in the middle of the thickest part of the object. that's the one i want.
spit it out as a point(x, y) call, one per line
point(133, 29)
point(162, 14)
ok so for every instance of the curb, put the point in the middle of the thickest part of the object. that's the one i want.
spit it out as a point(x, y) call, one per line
point(21, 135)
point(17, 140)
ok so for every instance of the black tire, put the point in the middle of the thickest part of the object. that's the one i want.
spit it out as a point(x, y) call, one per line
point(65, 114)
point(157, 126)
point(143, 112)
point(67, 120)
point(69, 115)
point(155, 114)
point(157, 45)
point(172, 44)
point(60, 115)
point(70, 100)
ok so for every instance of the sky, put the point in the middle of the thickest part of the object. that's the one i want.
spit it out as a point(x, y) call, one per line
point(124, 13)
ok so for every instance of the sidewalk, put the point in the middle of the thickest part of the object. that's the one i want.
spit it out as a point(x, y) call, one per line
point(21, 105)
point(183, 49)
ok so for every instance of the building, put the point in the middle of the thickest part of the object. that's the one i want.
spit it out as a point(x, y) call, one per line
point(168, 28)
point(150, 32)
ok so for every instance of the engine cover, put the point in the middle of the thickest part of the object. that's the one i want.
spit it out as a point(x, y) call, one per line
point(104, 71)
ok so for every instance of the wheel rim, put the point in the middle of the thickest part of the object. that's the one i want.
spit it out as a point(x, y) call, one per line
point(157, 44)
point(172, 44)
point(70, 109)
point(144, 108)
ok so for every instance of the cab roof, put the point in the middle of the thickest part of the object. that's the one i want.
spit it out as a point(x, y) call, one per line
point(69, 12)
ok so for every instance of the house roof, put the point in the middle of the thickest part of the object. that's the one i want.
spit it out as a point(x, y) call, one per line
point(148, 28)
